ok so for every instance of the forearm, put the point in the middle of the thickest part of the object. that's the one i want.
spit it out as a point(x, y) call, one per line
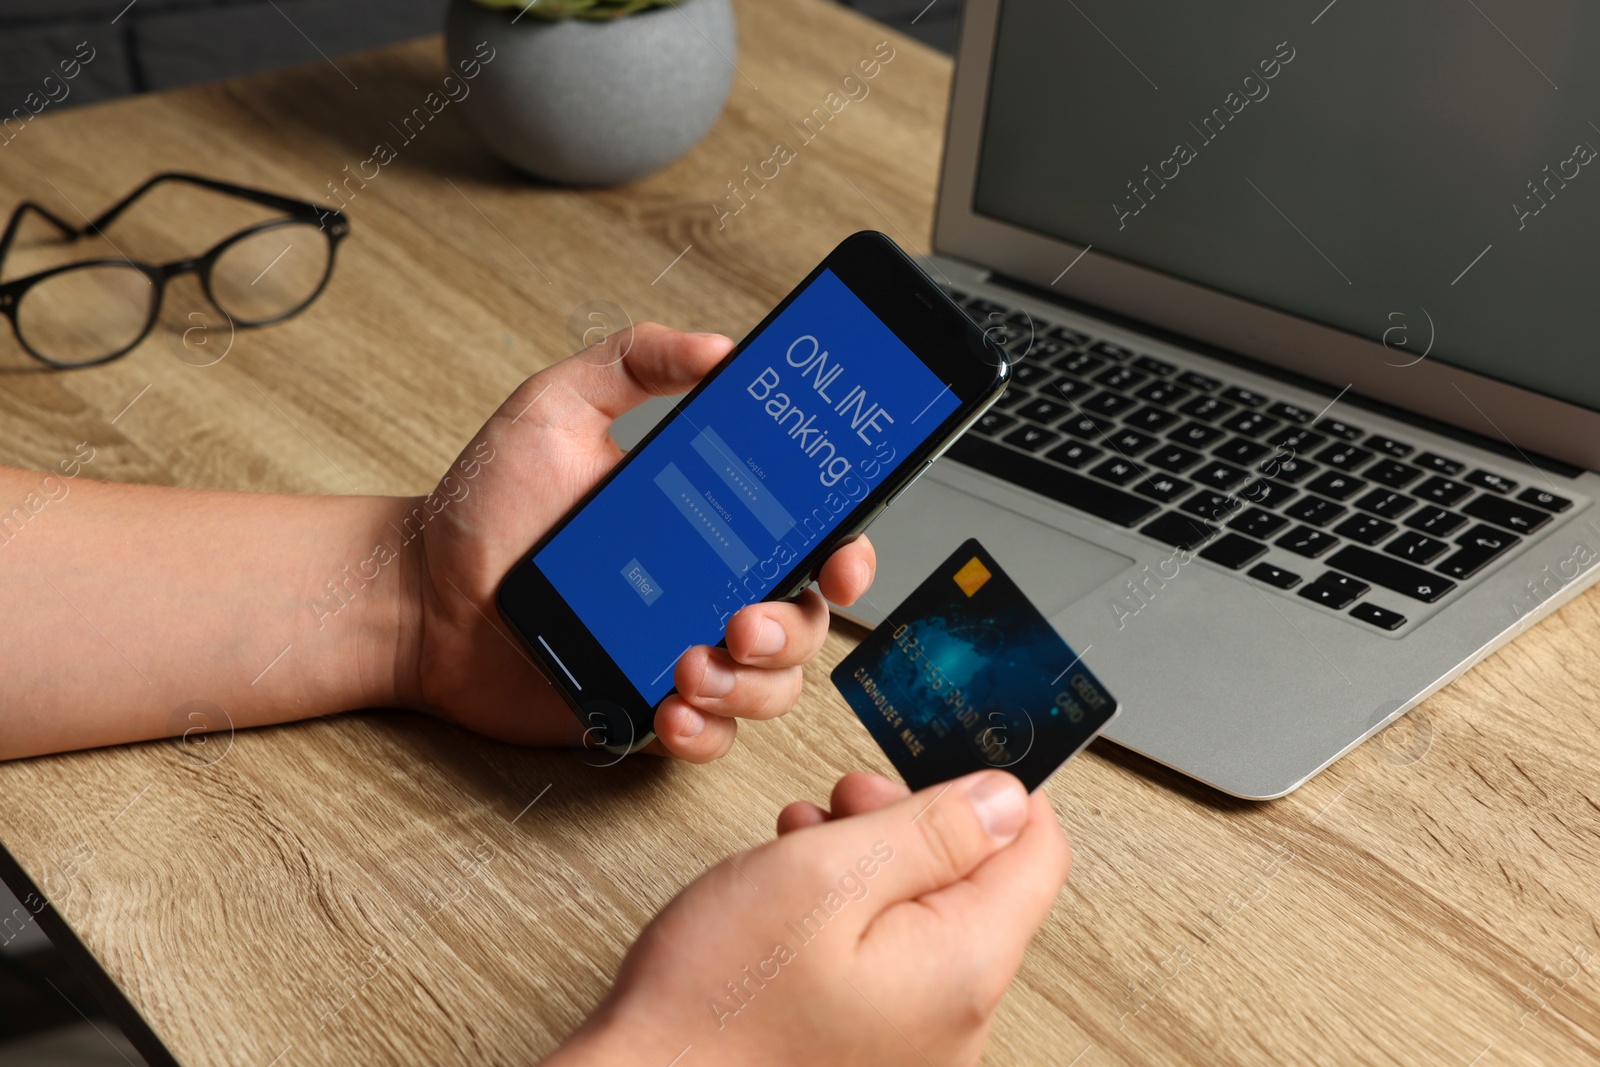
point(122, 603)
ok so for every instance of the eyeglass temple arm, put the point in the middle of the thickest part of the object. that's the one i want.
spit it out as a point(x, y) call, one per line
point(259, 196)
point(15, 224)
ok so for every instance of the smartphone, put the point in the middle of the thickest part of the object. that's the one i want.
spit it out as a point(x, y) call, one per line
point(788, 449)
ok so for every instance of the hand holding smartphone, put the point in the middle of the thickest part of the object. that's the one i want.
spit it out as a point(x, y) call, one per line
point(788, 449)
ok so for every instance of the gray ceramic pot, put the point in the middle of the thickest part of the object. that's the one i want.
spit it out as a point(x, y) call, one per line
point(594, 103)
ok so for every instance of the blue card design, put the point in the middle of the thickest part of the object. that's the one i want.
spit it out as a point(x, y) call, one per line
point(966, 674)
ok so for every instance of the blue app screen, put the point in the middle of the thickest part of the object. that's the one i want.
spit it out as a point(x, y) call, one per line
point(744, 482)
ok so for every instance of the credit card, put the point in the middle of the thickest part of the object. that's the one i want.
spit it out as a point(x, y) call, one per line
point(966, 674)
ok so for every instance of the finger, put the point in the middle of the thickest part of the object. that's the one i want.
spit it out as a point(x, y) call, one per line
point(799, 815)
point(710, 680)
point(779, 633)
point(924, 842)
point(690, 734)
point(586, 391)
point(848, 573)
point(995, 910)
point(859, 793)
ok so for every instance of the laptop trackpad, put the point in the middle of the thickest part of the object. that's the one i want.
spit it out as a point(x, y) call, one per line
point(1052, 567)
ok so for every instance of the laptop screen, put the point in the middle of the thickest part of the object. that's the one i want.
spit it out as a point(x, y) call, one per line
point(1422, 175)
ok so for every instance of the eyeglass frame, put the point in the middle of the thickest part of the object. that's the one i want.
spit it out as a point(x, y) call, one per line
point(332, 222)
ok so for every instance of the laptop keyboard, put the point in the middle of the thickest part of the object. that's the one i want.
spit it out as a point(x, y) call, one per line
point(1198, 463)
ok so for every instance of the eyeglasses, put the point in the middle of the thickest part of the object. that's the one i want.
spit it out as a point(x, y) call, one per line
point(81, 314)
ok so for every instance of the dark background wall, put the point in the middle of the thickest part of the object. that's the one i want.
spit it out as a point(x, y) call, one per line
point(158, 44)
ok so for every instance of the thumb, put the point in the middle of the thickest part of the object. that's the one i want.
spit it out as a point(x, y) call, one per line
point(927, 841)
point(584, 392)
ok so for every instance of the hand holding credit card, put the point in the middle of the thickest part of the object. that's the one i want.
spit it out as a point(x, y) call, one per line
point(966, 674)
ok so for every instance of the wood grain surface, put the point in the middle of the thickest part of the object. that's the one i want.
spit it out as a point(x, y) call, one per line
point(382, 888)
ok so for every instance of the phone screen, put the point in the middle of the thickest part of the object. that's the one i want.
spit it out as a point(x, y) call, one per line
point(766, 461)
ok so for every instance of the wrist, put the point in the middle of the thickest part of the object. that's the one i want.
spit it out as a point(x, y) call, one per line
point(368, 599)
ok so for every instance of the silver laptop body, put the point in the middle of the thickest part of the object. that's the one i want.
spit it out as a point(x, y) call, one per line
point(1302, 250)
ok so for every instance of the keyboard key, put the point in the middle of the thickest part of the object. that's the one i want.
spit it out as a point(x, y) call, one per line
point(1030, 374)
point(1065, 388)
point(1276, 577)
point(1240, 450)
point(1073, 454)
point(1067, 335)
point(1208, 408)
point(1340, 428)
point(1416, 547)
point(1152, 365)
point(1388, 505)
point(981, 308)
point(1518, 518)
point(1435, 462)
point(1079, 363)
point(1365, 529)
point(1305, 541)
point(1393, 473)
point(1541, 499)
point(1495, 483)
point(1315, 510)
point(1042, 411)
point(1012, 396)
point(1346, 457)
point(1390, 573)
point(1233, 551)
point(1479, 546)
point(1268, 493)
point(1296, 439)
point(1031, 438)
point(1335, 591)
point(1180, 531)
point(1240, 395)
point(1258, 523)
point(1111, 351)
point(1165, 393)
point(1151, 420)
point(1172, 458)
point(1213, 507)
point(1115, 469)
point(992, 422)
point(1038, 349)
point(1290, 412)
point(1288, 468)
point(1442, 491)
point(1088, 427)
point(1388, 445)
point(1435, 521)
point(1219, 476)
point(1196, 434)
point(1250, 423)
point(1112, 404)
point(1022, 318)
point(1336, 485)
point(1120, 378)
point(1162, 487)
point(1047, 479)
point(1198, 381)
point(1130, 442)
point(956, 294)
point(1382, 618)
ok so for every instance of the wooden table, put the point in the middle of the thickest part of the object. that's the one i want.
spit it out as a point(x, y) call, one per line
point(380, 887)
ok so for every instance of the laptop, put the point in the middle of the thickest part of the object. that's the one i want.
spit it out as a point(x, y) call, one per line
point(1306, 409)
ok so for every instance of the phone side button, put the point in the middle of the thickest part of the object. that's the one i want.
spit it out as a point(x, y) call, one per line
point(902, 490)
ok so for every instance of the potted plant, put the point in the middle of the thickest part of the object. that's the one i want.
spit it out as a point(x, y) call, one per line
point(592, 92)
